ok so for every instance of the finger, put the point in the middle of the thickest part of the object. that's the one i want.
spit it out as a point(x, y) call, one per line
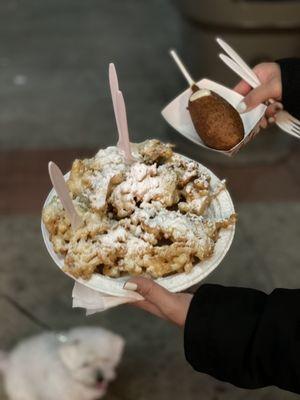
point(273, 109)
point(263, 123)
point(256, 131)
point(271, 120)
point(173, 306)
point(155, 294)
point(151, 308)
point(151, 291)
point(256, 96)
point(242, 88)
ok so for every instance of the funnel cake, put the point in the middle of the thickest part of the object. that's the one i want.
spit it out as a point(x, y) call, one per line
point(146, 218)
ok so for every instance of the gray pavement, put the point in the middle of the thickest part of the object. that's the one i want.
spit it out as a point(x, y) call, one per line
point(54, 69)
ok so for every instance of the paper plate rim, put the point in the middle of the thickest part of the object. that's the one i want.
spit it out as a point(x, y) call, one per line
point(174, 283)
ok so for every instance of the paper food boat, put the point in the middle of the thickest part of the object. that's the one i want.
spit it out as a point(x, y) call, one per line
point(177, 115)
point(221, 207)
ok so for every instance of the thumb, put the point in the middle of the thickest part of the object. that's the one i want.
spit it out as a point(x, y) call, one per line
point(151, 291)
point(259, 95)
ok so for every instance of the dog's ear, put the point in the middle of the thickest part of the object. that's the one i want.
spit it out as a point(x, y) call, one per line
point(69, 354)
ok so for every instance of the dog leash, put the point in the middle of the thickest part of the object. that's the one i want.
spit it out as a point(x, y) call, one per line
point(31, 317)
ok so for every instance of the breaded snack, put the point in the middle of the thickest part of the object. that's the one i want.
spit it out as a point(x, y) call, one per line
point(146, 218)
point(217, 123)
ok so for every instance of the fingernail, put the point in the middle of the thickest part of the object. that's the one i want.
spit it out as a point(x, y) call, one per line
point(242, 107)
point(271, 120)
point(130, 286)
point(279, 106)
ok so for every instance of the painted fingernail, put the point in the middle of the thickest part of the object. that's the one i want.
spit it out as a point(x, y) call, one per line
point(271, 120)
point(242, 107)
point(130, 286)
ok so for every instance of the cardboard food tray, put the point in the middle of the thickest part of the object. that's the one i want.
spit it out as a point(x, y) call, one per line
point(177, 115)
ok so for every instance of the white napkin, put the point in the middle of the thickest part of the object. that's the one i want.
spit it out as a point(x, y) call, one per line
point(94, 301)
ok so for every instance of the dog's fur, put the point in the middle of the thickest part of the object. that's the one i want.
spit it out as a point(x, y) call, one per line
point(43, 368)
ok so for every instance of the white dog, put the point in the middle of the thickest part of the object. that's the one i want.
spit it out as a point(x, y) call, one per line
point(46, 368)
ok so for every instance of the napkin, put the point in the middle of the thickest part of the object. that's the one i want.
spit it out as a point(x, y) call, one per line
point(94, 301)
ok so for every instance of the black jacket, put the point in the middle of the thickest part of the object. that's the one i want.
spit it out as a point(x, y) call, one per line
point(290, 76)
point(244, 336)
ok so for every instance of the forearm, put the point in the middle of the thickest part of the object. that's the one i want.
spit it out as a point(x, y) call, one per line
point(245, 337)
point(290, 76)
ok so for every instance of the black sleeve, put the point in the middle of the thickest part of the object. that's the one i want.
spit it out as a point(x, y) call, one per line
point(290, 76)
point(245, 337)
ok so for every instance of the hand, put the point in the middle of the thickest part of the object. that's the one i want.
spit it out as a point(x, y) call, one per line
point(269, 75)
point(158, 301)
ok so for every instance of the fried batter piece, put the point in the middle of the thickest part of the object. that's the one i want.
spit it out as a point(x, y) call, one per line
point(89, 250)
point(144, 184)
point(58, 226)
point(116, 251)
point(167, 260)
point(96, 177)
point(178, 228)
point(187, 171)
point(153, 151)
point(198, 197)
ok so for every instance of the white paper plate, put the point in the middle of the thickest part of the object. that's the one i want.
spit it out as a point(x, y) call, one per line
point(221, 207)
point(177, 115)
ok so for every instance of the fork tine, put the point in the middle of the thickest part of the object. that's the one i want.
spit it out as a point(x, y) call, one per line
point(287, 127)
point(297, 124)
point(288, 123)
point(294, 121)
point(295, 130)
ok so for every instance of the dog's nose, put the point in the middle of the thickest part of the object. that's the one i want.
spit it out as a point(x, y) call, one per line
point(99, 376)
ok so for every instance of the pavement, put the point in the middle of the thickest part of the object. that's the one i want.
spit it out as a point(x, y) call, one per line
point(55, 105)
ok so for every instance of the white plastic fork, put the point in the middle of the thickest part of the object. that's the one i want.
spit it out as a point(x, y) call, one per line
point(62, 192)
point(114, 87)
point(120, 114)
point(288, 123)
point(283, 119)
point(238, 70)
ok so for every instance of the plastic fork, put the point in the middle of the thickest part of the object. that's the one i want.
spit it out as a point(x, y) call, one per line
point(120, 114)
point(288, 123)
point(284, 120)
point(62, 192)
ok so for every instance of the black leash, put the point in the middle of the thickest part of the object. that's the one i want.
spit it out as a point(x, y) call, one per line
point(38, 322)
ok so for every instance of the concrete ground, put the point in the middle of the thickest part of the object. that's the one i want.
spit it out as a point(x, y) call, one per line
point(55, 105)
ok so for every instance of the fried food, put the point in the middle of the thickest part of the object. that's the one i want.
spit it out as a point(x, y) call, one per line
point(217, 123)
point(148, 218)
point(142, 185)
point(96, 177)
point(154, 151)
